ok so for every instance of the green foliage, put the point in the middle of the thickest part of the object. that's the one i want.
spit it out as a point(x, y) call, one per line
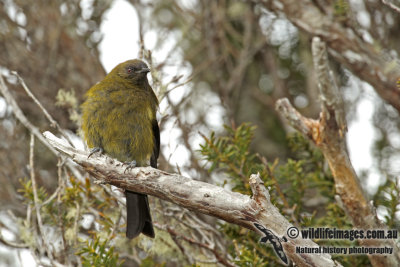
point(388, 198)
point(305, 176)
point(149, 262)
point(302, 188)
point(27, 191)
point(63, 213)
point(97, 253)
point(231, 154)
point(341, 8)
point(250, 258)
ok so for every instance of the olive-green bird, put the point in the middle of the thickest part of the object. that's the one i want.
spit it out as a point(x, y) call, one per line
point(119, 119)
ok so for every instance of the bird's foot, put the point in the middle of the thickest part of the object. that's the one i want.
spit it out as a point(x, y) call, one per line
point(131, 165)
point(95, 150)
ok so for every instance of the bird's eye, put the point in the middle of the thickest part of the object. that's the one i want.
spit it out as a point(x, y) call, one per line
point(130, 69)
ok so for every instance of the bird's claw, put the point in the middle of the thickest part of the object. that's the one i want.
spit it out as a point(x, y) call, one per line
point(131, 165)
point(95, 150)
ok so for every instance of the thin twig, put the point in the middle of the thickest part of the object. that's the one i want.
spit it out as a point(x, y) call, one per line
point(11, 244)
point(116, 225)
point(28, 216)
point(33, 129)
point(272, 176)
point(391, 5)
point(36, 198)
point(52, 197)
point(220, 258)
point(60, 220)
point(21, 117)
point(53, 123)
point(76, 225)
point(178, 85)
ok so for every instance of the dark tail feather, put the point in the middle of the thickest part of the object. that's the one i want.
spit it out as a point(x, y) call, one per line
point(138, 215)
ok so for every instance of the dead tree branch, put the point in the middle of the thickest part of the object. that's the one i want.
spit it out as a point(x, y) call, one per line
point(197, 196)
point(328, 134)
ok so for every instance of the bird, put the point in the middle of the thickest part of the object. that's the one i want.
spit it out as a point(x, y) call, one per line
point(274, 240)
point(119, 119)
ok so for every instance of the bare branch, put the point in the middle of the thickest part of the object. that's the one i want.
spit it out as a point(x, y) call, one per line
point(391, 5)
point(329, 91)
point(302, 124)
point(197, 196)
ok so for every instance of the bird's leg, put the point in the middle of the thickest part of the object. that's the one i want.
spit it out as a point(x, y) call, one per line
point(95, 150)
point(131, 165)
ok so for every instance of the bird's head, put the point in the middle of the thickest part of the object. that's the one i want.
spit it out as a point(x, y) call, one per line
point(134, 70)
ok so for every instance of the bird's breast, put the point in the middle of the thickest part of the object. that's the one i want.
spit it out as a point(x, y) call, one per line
point(121, 123)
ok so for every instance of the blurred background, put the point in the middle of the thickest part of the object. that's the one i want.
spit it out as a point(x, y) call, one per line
point(214, 63)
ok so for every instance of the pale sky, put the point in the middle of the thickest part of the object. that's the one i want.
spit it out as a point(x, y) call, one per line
point(121, 35)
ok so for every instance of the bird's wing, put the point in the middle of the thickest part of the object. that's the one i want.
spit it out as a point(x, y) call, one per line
point(156, 149)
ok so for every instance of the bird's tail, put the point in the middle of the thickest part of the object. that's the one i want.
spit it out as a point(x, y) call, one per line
point(138, 218)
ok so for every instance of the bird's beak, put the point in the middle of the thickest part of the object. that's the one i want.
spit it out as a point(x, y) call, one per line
point(144, 70)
